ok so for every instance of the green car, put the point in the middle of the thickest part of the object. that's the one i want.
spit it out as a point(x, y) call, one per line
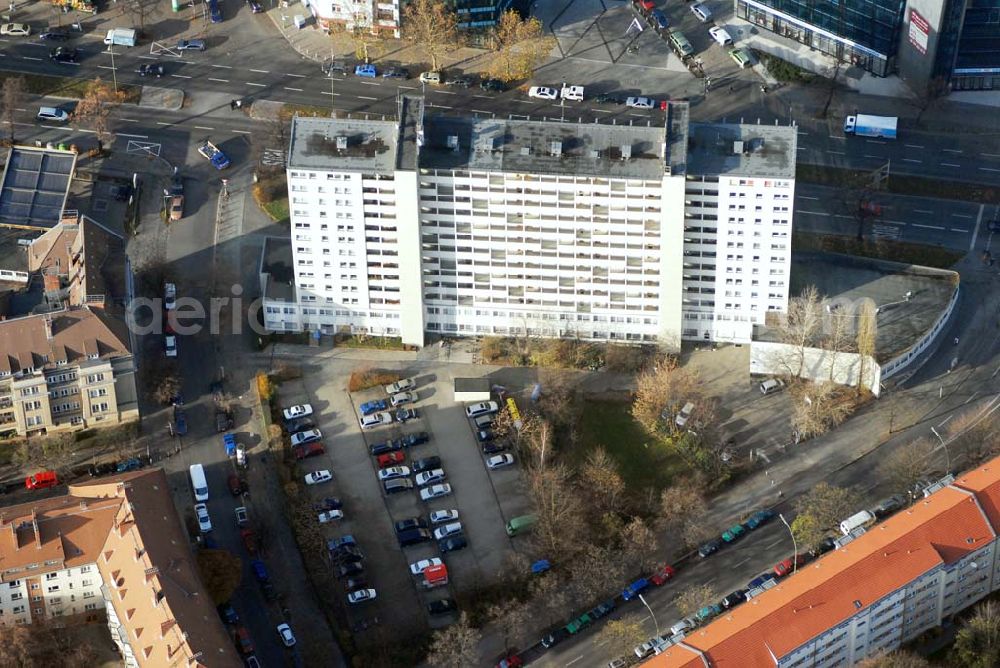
point(708, 612)
point(578, 623)
point(733, 533)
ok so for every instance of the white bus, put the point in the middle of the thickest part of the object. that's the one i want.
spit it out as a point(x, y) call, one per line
point(198, 483)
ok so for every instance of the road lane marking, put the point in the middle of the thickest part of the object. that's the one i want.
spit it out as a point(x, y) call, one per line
point(809, 198)
point(407, 87)
point(260, 71)
point(814, 213)
point(242, 132)
point(326, 92)
point(202, 127)
point(162, 123)
point(740, 563)
point(923, 211)
point(443, 92)
point(989, 169)
point(951, 150)
point(989, 155)
point(480, 111)
point(975, 232)
point(439, 106)
point(837, 152)
point(371, 83)
point(250, 83)
point(129, 120)
point(912, 160)
point(223, 67)
point(524, 101)
point(297, 90)
point(122, 134)
point(928, 227)
point(31, 58)
point(797, 148)
point(877, 157)
point(219, 80)
point(841, 215)
point(874, 141)
point(106, 67)
point(179, 76)
point(364, 97)
point(957, 229)
point(961, 215)
point(297, 76)
point(949, 164)
point(575, 660)
point(912, 146)
point(835, 137)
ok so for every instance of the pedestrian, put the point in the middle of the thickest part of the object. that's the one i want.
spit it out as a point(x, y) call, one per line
point(232, 105)
point(956, 340)
point(730, 88)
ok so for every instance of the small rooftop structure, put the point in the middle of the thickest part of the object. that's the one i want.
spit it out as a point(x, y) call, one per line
point(35, 186)
point(472, 389)
point(344, 144)
point(742, 150)
point(277, 276)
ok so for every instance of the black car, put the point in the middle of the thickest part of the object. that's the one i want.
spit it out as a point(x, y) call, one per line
point(493, 85)
point(329, 503)
point(350, 569)
point(410, 523)
point(425, 464)
point(395, 73)
point(54, 36)
point(608, 98)
point(300, 424)
point(383, 448)
point(602, 609)
point(825, 546)
point(484, 435)
point(150, 70)
point(760, 580)
point(64, 55)
point(358, 582)
point(554, 638)
point(442, 606)
point(348, 555)
point(711, 547)
point(107, 468)
point(452, 543)
point(255, 7)
point(734, 599)
point(228, 614)
point(416, 438)
point(336, 68)
point(461, 82)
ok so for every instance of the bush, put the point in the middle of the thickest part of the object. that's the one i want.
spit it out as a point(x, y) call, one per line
point(627, 359)
point(492, 349)
point(362, 379)
point(271, 195)
point(782, 70)
point(265, 388)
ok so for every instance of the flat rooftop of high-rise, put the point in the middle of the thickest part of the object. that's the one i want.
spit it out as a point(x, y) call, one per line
point(630, 151)
point(741, 149)
point(343, 144)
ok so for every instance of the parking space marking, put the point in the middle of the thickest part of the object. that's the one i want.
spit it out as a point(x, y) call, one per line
point(912, 146)
point(923, 211)
point(949, 164)
point(224, 67)
point(297, 76)
point(961, 215)
point(837, 152)
point(297, 90)
point(219, 80)
point(928, 227)
point(951, 150)
point(122, 134)
point(179, 76)
point(242, 132)
point(129, 120)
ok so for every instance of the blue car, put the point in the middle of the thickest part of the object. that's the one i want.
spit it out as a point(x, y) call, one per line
point(660, 19)
point(132, 464)
point(365, 71)
point(759, 580)
point(758, 518)
point(335, 544)
point(373, 406)
point(259, 570)
point(214, 12)
point(181, 422)
point(635, 589)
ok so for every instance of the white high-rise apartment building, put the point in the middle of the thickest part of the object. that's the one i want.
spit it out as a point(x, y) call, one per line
point(458, 225)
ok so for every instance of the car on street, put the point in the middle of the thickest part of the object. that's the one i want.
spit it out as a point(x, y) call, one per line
point(308, 450)
point(54, 36)
point(180, 421)
point(297, 411)
point(431, 477)
point(888, 506)
point(453, 544)
point(341, 542)
point(602, 609)
point(722, 37)
point(390, 459)
point(555, 637)
point(15, 29)
point(361, 596)
point(733, 599)
point(308, 436)
point(485, 435)
point(401, 385)
point(706, 613)
point(382, 448)
point(659, 19)
point(461, 82)
point(787, 566)
point(639, 102)
point(330, 515)
point(286, 635)
point(394, 472)
point(824, 546)
point(758, 518)
point(543, 93)
point(481, 408)
point(435, 491)
point(395, 73)
point(492, 85)
point(64, 54)
point(450, 529)
point(711, 547)
point(760, 580)
point(499, 461)
point(733, 533)
point(635, 588)
point(150, 70)
point(417, 567)
point(433, 78)
point(204, 521)
point(572, 93)
point(367, 71)
point(683, 626)
point(335, 68)
point(255, 7)
point(348, 554)
point(661, 575)
point(644, 649)
point(608, 98)
point(170, 345)
point(52, 114)
point(406, 414)
point(426, 464)
point(442, 606)
point(441, 516)
point(645, 5)
point(375, 420)
point(373, 406)
point(317, 477)
point(191, 45)
point(402, 398)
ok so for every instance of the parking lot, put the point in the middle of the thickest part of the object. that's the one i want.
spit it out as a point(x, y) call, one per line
point(485, 500)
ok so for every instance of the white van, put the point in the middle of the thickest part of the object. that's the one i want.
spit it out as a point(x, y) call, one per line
point(862, 519)
point(771, 385)
point(574, 93)
point(198, 482)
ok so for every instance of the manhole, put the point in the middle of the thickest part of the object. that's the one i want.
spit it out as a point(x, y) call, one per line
point(101, 205)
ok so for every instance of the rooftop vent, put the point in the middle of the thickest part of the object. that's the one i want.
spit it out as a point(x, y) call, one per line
point(857, 604)
point(626, 151)
point(484, 144)
point(555, 148)
point(341, 143)
point(757, 145)
point(594, 155)
point(525, 150)
point(453, 143)
point(738, 147)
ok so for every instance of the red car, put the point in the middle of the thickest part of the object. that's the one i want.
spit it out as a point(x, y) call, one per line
point(390, 459)
point(249, 541)
point(783, 568)
point(308, 450)
point(662, 574)
point(41, 480)
point(235, 484)
point(510, 660)
point(647, 5)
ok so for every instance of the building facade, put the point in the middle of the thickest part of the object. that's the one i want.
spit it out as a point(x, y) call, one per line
point(377, 16)
point(458, 225)
point(875, 592)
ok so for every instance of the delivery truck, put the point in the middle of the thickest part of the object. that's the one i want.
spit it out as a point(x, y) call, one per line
point(864, 125)
point(120, 37)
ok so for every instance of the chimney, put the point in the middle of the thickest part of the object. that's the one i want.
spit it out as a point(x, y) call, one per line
point(48, 324)
point(555, 148)
point(341, 143)
point(626, 151)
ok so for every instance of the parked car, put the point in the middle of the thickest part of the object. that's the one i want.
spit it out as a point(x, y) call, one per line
point(683, 626)
point(759, 580)
point(711, 547)
point(555, 637)
point(787, 566)
point(150, 70)
point(361, 596)
point(441, 516)
point(493, 85)
point(350, 569)
point(367, 71)
point(330, 515)
point(741, 57)
point(453, 544)
point(191, 45)
point(410, 523)
point(204, 521)
point(888, 506)
point(659, 19)
point(383, 448)
point(461, 82)
point(406, 414)
point(722, 37)
point(733, 599)
point(442, 606)
point(317, 477)
point(308, 450)
point(644, 649)
point(426, 464)
point(335, 68)
point(639, 102)
point(608, 98)
point(52, 114)
point(329, 503)
point(54, 36)
point(431, 477)
point(15, 29)
point(390, 459)
point(733, 533)
point(758, 518)
point(635, 589)
point(543, 93)
point(701, 11)
point(417, 567)
point(493, 447)
point(170, 345)
point(402, 398)
point(414, 438)
point(499, 461)
point(450, 529)
point(397, 485)
point(308, 436)
point(373, 406)
point(413, 536)
point(64, 54)
point(395, 73)
point(297, 411)
point(661, 575)
point(375, 420)
point(435, 491)
point(403, 384)
point(481, 408)
point(709, 611)
point(286, 635)
point(433, 78)
point(394, 472)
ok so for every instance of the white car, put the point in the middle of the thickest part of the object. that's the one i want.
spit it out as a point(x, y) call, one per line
point(417, 567)
point(170, 345)
point(330, 515)
point(400, 386)
point(574, 93)
point(317, 477)
point(435, 491)
point(287, 637)
point(499, 461)
point(425, 478)
point(361, 595)
point(376, 420)
point(394, 472)
point(720, 35)
point(482, 408)
point(685, 414)
point(639, 102)
point(452, 529)
point(643, 650)
point(204, 521)
point(297, 411)
point(52, 114)
point(440, 516)
point(169, 296)
point(307, 436)
point(683, 626)
point(402, 398)
point(701, 11)
point(543, 92)
point(18, 29)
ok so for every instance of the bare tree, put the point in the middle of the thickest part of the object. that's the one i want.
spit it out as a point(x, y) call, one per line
point(593, 573)
point(96, 106)
point(907, 464)
point(838, 337)
point(639, 546)
point(511, 619)
point(432, 26)
point(621, 635)
point(550, 596)
point(601, 481)
point(800, 328)
point(819, 511)
point(897, 659)
point(560, 526)
point(138, 11)
point(866, 338)
point(818, 407)
point(455, 646)
point(12, 98)
point(680, 510)
point(975, 435)
point(518, 46)
point(660, 393)
point(692, 599)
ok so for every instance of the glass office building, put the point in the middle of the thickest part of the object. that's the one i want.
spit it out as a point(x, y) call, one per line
point(864, 33)
point(974, 45)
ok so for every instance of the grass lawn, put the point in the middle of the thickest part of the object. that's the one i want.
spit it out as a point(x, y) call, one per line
point(642, 462)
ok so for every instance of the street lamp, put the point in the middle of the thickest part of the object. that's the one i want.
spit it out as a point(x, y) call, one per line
point(943, 445)
point(651, 615)
point(795, 544)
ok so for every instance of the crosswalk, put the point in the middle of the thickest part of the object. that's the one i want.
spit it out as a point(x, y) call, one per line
point(885, 231)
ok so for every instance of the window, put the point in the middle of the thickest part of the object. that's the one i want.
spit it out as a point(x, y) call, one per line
point(51, 576)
